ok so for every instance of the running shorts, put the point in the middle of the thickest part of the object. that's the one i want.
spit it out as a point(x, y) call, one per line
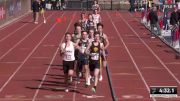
point(68, 65)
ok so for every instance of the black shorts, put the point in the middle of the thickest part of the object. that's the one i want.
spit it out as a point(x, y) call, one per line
point(68, 65)
point(82, 62)
point(94, 64)
point(76, 53)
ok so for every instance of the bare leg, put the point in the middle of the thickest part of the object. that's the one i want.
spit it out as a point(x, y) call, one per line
point(37, 17)
point(96, 75)
point(87, 74)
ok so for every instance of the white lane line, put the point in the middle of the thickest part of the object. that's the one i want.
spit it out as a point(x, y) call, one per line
point(10, 62)
point(74, 93)
point(44, 77)
point(29, 55)
point(7, 36)
point(7, 52)
point(14, 21)
point(130, 55)
point(162, 63)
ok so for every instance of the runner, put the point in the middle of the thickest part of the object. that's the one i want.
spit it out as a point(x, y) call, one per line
point(83, 21)
point(75, 37)
point(83, 58)
point(91, 34)
point(96, 18)
point(67, 51)
point(90, 22)
point(105, 41)
point(94, 50)
point(96, 6)
point(43, 7)
point(35, 8)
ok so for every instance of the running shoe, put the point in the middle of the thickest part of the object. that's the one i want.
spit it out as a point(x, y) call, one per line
point(93, 89)
point(152, 37)
point(36, 22)
point(78, 80)
point(44, 21)
point(93, 79)
point(100, 78)
point(66, 90)
point(70, 80)
point(80, 75)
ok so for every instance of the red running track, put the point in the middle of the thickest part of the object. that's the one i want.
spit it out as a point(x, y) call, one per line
point(31, 68)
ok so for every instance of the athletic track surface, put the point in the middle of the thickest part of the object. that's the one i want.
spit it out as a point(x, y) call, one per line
point(31, 66)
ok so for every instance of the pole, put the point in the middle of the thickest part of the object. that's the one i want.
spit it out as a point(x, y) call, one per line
point(111, 4)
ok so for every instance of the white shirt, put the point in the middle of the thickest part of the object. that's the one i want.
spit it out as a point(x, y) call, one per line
point(96, 18)
point(69, 52)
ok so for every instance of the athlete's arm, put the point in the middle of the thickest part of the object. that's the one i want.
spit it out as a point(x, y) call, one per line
point(100, 20)
point(103, 51)
point(63, 47)
point(87, 49)
point(76, 46)
point(107, 41)
point(99, 8)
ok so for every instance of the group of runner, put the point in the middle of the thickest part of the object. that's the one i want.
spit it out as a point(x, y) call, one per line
point(85, 50)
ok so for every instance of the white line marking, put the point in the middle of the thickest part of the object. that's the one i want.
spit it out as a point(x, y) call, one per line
point(14, 73)
point(16, 20)
point(7, 52)
point(13, 32)
point(74, 93)
point(137, 68)
point(162, 63)
point(40, 57)
point(10, 62)
point(44, 77)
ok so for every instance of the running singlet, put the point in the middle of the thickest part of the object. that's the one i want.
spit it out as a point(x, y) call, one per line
point(83, 24)
point(96, 18)
point(75, 37)
point(83, 45)
point(69, 52)
point(102, 39)
point(95, 51)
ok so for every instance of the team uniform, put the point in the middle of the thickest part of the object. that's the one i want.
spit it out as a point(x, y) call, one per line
point(94, 61)
point(84, 24)
point(75, 39)
point(83, 58)
point(68, 57)
point(96, 19)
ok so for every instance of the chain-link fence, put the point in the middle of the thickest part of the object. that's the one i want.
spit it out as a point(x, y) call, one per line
point(105, 4)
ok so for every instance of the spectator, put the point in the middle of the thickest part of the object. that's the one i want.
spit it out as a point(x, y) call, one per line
point(154, 22)
point(36, 9)
point(174, 24)
point(53, 2)
point(131, 5)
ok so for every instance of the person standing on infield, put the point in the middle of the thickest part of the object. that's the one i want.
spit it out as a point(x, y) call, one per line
point(35, 9)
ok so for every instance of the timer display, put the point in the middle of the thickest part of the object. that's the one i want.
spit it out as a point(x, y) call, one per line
point(163, 91)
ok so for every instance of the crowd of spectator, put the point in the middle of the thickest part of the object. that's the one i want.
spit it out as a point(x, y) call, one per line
point(163, 21)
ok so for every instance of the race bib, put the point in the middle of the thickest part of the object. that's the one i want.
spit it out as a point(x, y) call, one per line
point(94, 56)
point(68, 57)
